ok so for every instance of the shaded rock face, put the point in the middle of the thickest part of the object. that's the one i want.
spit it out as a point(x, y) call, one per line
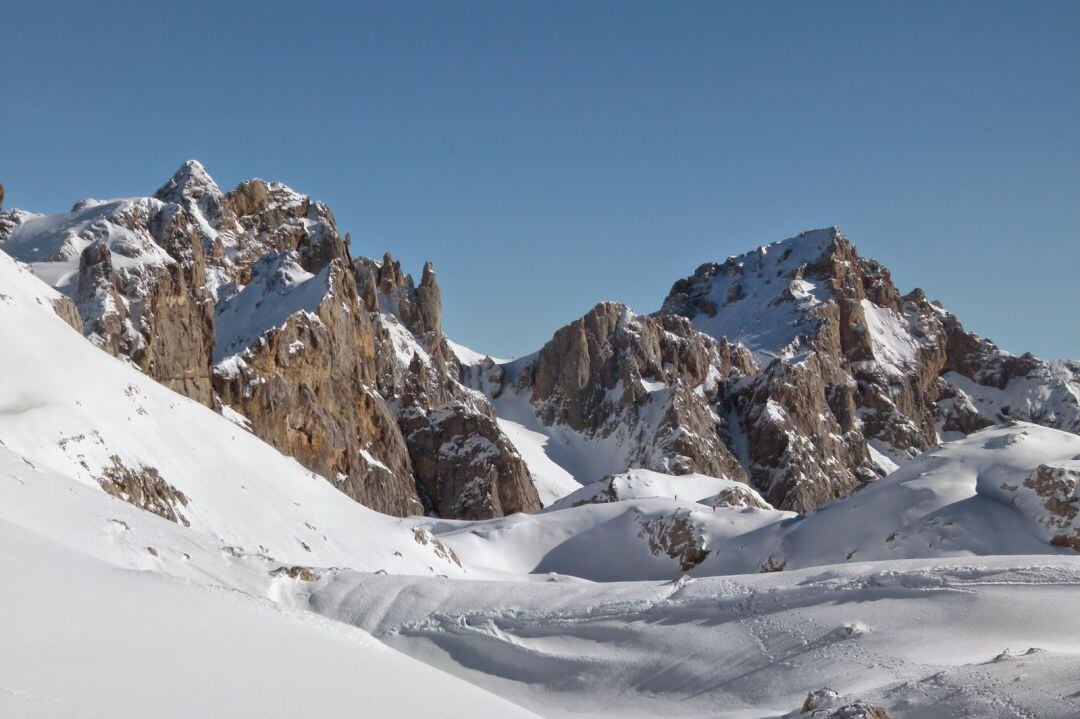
point(800, 454)
point(681, 402)
point(465, 465)
point(652, 382)
point(678, 536)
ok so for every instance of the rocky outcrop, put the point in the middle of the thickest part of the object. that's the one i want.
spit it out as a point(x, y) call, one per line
point(677, 535)
point(307, 385)
point(651, 383)
point(861, 710)
point(140, 287)
point(828, 704)
point(273, 217)
point(144, 488)
point(391, 291)
point(802, 450)
point(247, 300)
point(66, 309)
point(1050, 497)
point(466, 466)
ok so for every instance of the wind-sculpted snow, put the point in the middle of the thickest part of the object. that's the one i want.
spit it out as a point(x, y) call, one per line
point(948, 638)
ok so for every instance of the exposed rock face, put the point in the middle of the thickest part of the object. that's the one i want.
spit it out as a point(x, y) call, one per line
point(821, 700)
point(463, 461)
point(649, 382)
point(141, 282)
point(307, 386)
point(68, 312)
point(800, 454)
point(798, 368)
point(739, 497)
point(467, 466)
point(678, 536)
point(274, 217)
point(1050, 496)
point(848, 358)
point(145, 488)
point(248, 299)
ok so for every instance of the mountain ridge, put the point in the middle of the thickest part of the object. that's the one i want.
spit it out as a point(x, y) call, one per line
point(797, 366)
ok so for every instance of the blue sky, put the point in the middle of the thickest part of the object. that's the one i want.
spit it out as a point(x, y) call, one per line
point(549, 155)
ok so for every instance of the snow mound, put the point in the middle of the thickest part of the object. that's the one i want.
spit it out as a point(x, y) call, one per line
point(647, 484)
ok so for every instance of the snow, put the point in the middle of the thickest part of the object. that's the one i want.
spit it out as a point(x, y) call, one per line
point(564, 458)
point(759, 302)
point(469, 357)
point(920, 638)
point(893, 346)
point(140, 644)
point(279, 289)
point(1051, 395)
point(52, 244)
point(923, 592)
point(646, 484)
point(881, 457)
point(552, 481)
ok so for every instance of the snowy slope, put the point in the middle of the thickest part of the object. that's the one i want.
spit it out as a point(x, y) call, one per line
point(972, 497)
point(925, 639)
point(203, 629)
point(759, 305)
point(93, 418)
point(960, 499)
point(52, 244)
point(86, 639)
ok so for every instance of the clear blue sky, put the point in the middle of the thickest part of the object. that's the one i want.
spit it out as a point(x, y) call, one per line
point(550, 155)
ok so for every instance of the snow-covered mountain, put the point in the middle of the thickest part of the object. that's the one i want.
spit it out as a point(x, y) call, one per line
point(791, 492)
point(248, 301)
point(798, 367)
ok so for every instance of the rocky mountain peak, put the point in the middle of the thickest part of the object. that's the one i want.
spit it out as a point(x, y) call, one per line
point(190, 182)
